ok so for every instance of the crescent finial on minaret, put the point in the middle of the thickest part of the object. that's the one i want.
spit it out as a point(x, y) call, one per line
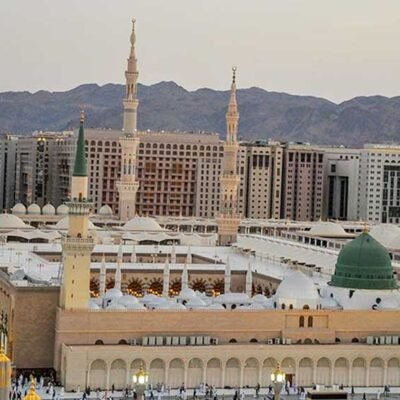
point(234, 74)
point(82, 115)
point(133, 37)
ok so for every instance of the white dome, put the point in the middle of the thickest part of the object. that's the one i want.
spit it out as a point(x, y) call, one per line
point(62, 209)
point(128, 300)
point(215, 306)
point(297, 289)
point(390, 303)
point(187, 294)
point(233, 298)
point(10, 221)
point(106, 211)
point(327, 229)
point(115, 306)
point(63, 224)
point(195, 302)
point(387, 235)
point(19, 208)
point(142, 224)
point(33, 209)
point(329, 303)
point(259, 298)
point(112, 294)
point(170, 305)
point(48, 209)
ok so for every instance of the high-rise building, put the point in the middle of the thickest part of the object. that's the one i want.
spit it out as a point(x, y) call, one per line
point(228, 218)
point(8, 152)
point(341, 183)
point(303, 174)
point(260, 169)
point(379, 184)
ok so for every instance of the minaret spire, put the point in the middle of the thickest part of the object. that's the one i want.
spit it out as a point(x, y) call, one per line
point(118, 275)
point(227, 277)
point(166, 278)
point(249, 280)
point(103, 276)
point(228, 219)
point(184, 278)
point(127, 185)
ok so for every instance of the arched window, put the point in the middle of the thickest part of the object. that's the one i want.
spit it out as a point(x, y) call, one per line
point(232, 340)
point(122, 341)
point(291, 307)
point(310, 322)
point(99, 342)
point(306, 307)
point(254, 340)
point(283, 306)
point(355, 340)
point(301, 322)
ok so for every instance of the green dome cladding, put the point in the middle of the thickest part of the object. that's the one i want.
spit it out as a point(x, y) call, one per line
point(364, 264)
point(80, 168)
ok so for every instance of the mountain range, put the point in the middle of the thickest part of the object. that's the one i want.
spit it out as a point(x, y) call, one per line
point(168, 106)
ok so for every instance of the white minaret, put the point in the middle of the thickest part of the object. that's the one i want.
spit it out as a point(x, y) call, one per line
point(133, 255)
point(185, 278)
point(128, 185)
point(228, 219)
point(166, 279)
point(249, 281)
point(227, 277)
point(189, 256)
point(103, 276)
point(173, 254)
point(118, 277)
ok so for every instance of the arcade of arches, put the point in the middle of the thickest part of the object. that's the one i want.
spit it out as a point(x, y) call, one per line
point(356, 368)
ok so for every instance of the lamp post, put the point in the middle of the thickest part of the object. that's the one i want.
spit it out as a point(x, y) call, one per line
point(278, 378)
point(140, 379)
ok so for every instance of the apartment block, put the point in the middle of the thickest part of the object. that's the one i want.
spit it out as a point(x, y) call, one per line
point(8, 151)
point(303, 173)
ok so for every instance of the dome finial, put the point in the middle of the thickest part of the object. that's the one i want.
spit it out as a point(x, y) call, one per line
point(234, 74)
point(365, 227)
point(82, 115)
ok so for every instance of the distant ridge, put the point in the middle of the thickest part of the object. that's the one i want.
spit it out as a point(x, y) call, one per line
point(168, 106)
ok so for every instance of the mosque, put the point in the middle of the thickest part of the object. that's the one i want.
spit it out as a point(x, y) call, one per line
point(94, 298)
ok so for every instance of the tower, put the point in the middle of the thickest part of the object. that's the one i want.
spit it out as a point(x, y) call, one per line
point(118, 274)
point(128, 186)
point(228, 219)
point(78, 245)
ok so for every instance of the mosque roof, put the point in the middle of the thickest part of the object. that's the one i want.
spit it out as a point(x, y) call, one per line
point(10, 221)
point(19, 208)
point(48, 209)
point(142, 224)
point(387, 234)
point(364, 263)
point(63, 224)
point(105, 211)
point(33, 209)
point(328, 229)
point(296, 285)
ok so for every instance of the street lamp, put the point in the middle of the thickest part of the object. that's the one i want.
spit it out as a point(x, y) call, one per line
point(278, 378)
point(140, 380)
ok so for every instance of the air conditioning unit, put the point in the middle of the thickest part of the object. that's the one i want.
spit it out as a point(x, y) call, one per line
point(192, 340)
point(207, 340)
point(132, 342)
point(145, 341)
point(283, 341)
point(168, 341)
point(395, 339)
point(370, 340)
point(270, 341)
point(288, 341)
point(152, 340)
point(388, 340)
point(277, 340)
point(382, 340)
point(214, 341)
point(175, 340)
point(199, 340)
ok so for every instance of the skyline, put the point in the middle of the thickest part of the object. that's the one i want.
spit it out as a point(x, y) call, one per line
point(306, 41)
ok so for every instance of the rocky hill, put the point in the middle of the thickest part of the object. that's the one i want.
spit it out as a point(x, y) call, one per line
point(167, 106)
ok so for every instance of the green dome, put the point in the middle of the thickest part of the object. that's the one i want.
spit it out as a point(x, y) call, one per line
point(364, 264)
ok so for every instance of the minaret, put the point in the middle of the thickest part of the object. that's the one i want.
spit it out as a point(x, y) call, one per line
point(129, 141)
point(249, 281)
point(77, 245)
point(173, 254)
point(118, 278)
point(227, 277)
point(103, 276)
point(165, 292)
point(228, 219)
point(189, 256)
point(133, 255)
point(184, 278)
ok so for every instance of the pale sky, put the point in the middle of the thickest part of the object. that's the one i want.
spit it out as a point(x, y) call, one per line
point(335, 49)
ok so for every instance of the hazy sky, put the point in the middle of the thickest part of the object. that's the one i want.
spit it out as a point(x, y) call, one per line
point(336, 49)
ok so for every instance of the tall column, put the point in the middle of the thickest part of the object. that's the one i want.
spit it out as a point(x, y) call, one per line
point(128, 186)
point(78, 244)
point(166, 279)
point(227, 277)
point(228, 219)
